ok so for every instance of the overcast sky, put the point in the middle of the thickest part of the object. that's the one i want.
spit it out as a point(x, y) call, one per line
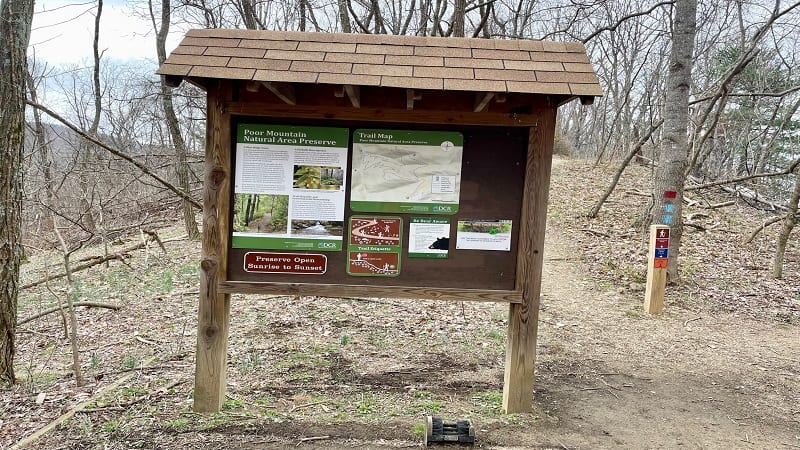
point(62, 31)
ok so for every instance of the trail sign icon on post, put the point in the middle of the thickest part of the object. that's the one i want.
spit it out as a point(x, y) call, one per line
point(657, 263)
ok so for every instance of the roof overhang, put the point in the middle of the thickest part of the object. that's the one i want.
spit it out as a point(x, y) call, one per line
point(489, 71)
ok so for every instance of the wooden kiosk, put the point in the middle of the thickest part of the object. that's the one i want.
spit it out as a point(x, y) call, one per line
point(399, 166)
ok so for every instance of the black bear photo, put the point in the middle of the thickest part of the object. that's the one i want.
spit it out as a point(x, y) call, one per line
point(442, 243)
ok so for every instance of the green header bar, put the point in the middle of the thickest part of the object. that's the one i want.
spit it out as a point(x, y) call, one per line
point(283, 243)
point(402, 207)
point(437, 220)
point(291, 135)
point(427, 255)
point(405, 137)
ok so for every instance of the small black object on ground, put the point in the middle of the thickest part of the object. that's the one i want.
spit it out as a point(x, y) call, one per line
point(437, 431)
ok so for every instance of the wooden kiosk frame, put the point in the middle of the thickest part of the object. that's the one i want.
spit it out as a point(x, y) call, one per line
point(363, 79)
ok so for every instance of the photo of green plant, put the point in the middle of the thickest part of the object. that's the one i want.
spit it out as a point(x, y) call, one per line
point(307, 177)
point(318, 177)
point(331, 178)
point(485, 226)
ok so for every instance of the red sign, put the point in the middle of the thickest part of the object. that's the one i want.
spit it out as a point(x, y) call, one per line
point(662, 233)
point(660, 263)
point(662, 243)
point(670, 194)
point(297, 263)
point(372, 263)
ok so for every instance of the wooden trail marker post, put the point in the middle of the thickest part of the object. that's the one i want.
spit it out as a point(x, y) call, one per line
point(658, 256)
point(297, 121)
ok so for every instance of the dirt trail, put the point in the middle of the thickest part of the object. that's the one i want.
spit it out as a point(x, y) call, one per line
point(610, 376)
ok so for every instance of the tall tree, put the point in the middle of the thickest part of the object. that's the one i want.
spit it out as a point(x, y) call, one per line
point(789, 222)
point(15, 32)
point(673, 156)
point(181, 160)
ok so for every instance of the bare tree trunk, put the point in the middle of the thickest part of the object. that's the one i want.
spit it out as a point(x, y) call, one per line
point(301, 6)
point(344, 19)
point(248, 12)
point(376, 11)
point(181, 164)
point(786, 229)
point(15, 33)
point(672, 159)
point(42, 145)
point(459, 12)
point(73, 321)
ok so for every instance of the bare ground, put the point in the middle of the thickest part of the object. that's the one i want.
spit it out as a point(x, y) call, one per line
point(720, 369)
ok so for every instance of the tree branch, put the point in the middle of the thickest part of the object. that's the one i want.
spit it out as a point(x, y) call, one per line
point(117, 153)
point(749, 94)
point(790, 169)
point(623, 19)
point(636, 148)
point(58, 308)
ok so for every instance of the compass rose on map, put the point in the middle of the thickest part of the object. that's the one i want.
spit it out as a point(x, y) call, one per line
point(447, 146)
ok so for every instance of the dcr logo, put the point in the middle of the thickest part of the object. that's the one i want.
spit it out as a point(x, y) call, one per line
point(326, 245)
point(443, 208)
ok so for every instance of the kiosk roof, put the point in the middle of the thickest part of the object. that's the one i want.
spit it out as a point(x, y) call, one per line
point(406, 62)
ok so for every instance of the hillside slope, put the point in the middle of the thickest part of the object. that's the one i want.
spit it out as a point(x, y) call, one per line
point(717, 370)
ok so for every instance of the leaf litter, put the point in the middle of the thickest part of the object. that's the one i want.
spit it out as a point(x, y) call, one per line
point(331, 373)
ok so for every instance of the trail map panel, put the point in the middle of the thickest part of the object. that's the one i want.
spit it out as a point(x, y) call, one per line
point(289, 187)
point(406, 171)
point(374, 246)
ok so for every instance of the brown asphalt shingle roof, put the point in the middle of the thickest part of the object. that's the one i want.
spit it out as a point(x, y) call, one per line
point(415, 62)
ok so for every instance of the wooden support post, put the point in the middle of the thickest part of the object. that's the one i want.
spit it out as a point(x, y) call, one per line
point(411, 97)
point(214, 307)
point(657, 257)
point(523, 318)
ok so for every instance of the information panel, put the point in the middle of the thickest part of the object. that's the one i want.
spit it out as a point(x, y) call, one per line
point(406, 171)
point(391, 222)
point(289, 191)
point(374, 246)
point(429, 237)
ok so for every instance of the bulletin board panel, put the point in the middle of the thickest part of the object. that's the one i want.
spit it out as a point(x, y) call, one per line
point(491, 188)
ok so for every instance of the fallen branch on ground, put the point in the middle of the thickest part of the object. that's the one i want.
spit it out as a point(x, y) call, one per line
point(719, 205)
point(696, 226)
point(68, 415)
point(120, 256)
point(694, 216)
point(125, 405)
point(595, 232)
point(58, 308)
point(312, 438)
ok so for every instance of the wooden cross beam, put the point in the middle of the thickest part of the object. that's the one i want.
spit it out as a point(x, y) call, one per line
point(482, 100)
point(354, 94)
point(284, 91)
